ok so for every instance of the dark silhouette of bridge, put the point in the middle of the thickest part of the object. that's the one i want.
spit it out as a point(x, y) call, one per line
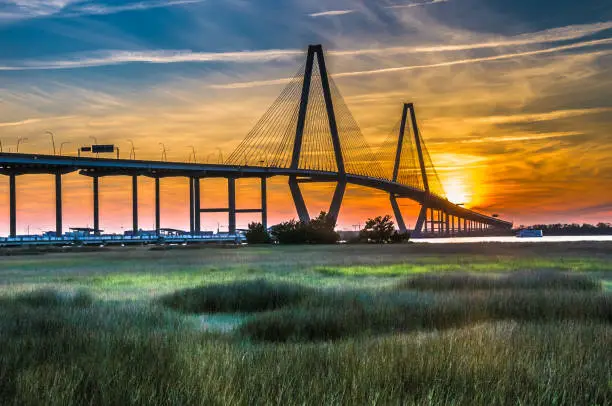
point(308, 135)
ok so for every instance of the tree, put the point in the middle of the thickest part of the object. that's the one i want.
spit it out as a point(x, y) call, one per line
point(289, 232)
point(398, 237)
point(378, 230)
point(319, 230)
point(257, 234)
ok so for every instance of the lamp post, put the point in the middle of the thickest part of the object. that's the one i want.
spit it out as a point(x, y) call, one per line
point(133, 150)
point(95, 142)
point(1, 150)
point(208, 157)
point(62, 146)
point(52, 139)
point(195, 161)
point(20, 140)
point(220, 156)
point(164, 155)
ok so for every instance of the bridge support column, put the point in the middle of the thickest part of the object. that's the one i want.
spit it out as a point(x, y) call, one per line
point(398, 214)
point(264, 203)
point(191, 207)
point(447, 223)
point(334, 208)
point(135, 204)
point(298, 200)
point(231, 200)
point(421, 220)
point(58, 205)
point(431, 221)
point(96, 204)
point(197, 213)
point(13, 204)
point(157, 208)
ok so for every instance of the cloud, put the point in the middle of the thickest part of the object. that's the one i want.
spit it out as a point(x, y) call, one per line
point(528, 137)
point(411, 5)
point(14, 10)
point(535, 117)
point(605, 41)
point(31, 121)
point(560, 34)
point(101, 9)
point(116, 57)
point(335, 13)
point(332, 13)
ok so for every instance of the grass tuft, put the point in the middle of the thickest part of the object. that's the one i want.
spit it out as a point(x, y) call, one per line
point(50, 298)
point(548, 280)
point(363, 315)
point(247, 296)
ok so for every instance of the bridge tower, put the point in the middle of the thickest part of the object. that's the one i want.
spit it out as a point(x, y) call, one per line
point(316, 51)
point(409, 109)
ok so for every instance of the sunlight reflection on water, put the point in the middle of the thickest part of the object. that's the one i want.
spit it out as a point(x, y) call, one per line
point(568, 238)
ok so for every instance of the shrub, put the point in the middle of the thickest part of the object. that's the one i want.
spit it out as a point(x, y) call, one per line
point(398, 237)
point(248, 296)
point(319, 230)
point(257, 234)
point(289, 232)
point(378, 230)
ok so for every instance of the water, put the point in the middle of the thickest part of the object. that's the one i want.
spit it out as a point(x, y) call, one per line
point(568, 238)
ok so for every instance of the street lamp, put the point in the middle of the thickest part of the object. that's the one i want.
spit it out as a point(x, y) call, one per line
point(95, 143)
point(164, 155)
point(195, 161)
point(52, 140)
point(220, 155)
point(21, 140)
point(1, 146)
point(208, 157)
point(62, 145)
point(133, 150)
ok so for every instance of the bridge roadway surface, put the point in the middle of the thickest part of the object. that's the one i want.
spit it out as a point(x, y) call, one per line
point(28, 164)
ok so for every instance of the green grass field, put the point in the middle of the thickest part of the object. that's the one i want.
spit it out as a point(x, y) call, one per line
point(475, 324)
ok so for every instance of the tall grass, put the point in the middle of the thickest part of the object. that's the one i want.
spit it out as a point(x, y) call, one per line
point(247, 296)
point(50, 298)
point(491, 363)
point(536, 343)
point(397, 312)
point(517, 280)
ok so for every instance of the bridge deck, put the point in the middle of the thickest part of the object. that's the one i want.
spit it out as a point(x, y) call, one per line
point(23, 164)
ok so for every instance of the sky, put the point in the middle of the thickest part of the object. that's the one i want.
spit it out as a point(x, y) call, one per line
point(514, 98)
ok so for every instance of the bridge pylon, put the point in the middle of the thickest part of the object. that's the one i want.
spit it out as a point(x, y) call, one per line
point(316, 55)
point(408, 109)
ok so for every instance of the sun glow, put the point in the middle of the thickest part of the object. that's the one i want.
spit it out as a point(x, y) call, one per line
point(457, 191)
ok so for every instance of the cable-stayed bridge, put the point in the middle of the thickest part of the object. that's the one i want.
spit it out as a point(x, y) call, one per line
point(308, 135)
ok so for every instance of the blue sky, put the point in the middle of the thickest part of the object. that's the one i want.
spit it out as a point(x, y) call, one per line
point(513, 96)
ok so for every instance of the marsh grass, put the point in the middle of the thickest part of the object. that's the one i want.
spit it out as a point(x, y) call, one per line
point(531, 280)
point(389, 312)
point(352, 335)
point(247, 296)
point(50, 298)
point(485, 364)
